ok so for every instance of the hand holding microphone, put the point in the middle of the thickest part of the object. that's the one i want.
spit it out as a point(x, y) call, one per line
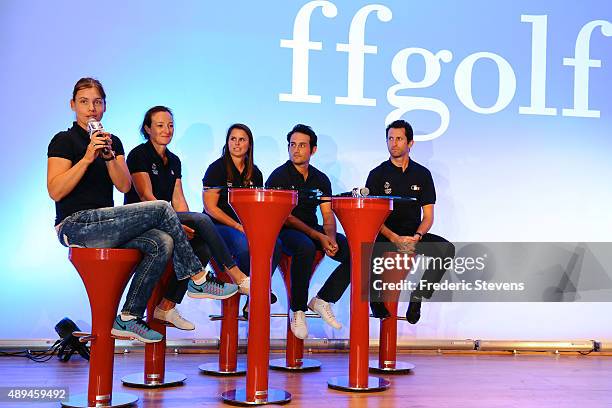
point(100, 139)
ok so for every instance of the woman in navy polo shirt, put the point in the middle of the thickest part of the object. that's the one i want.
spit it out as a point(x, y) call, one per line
point(235, 168)
point(81, 173)
point(156, 172)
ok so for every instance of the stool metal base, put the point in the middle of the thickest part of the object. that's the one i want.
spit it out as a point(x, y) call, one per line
point(214, 369)
point(137, 380)
point(342, 384)
point(400, 368)
point(119, 399)
point(306, 364)
point(238, 397)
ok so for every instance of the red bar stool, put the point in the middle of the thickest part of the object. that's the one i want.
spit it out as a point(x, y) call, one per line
point(228, 364)
point(155, 375)
point(387, 346)
point(294, 354)
point(361, 219)
point(105, 272)
point(262, 213)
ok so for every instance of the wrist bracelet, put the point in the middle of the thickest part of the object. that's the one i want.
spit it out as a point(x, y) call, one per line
point(419, 234)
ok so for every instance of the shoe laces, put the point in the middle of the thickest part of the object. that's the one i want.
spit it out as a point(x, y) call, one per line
point(213, 280)
point(326, 308)
point(299, 316)
point(174, 311)
point(140, 326)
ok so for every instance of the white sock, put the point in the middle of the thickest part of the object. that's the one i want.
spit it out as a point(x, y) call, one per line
point(201, 280)
point(126, 317)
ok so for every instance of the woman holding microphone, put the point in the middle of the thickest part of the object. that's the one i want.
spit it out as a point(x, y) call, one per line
point(82, 170)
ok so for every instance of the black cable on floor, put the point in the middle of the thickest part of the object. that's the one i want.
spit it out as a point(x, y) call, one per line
point(36, 356)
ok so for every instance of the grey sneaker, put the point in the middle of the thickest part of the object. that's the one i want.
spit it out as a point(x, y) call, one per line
point(212, 288)
point(135, 329)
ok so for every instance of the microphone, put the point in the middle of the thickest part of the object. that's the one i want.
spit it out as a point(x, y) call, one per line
point(69, 344)
point(358, 192)
point(94, 126)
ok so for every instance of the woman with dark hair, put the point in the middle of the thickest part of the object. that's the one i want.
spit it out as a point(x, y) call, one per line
point(235, 168)
point(82, 170)
point(157, 175)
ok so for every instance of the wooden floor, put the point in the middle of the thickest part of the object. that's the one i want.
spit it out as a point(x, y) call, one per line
point(457, 381)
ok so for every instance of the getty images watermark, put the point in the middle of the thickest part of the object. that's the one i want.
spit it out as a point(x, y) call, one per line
point(489, 272)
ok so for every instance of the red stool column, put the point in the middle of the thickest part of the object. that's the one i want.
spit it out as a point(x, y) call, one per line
point(262, 213)
point(387, 347)
point(294, 354)
point(361, 219)
point(105, 272)
point(228, 343)
point(155, 375)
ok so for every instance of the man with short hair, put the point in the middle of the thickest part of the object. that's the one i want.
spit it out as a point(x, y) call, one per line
point(409, 224)
point(302, 236)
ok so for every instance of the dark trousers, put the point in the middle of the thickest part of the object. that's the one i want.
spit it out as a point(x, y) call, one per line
point(430, 245)
point(302, 249)
point(206, 243)
point(238, 246)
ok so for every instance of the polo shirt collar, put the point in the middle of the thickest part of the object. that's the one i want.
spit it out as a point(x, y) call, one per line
point(398, 168)
point(295, 173)
point(79, 130)
point(236, 171)
point(152, 151)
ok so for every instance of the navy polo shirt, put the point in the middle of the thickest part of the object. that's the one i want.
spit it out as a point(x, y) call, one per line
point(216, 176)
point(145, 159)
point(389, 180)
point(95, 189)
point(288, 177)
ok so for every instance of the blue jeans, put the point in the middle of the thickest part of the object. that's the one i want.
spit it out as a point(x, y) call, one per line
point(206, 242)
point(152, 227)
point(239, 248)
point(302, 250)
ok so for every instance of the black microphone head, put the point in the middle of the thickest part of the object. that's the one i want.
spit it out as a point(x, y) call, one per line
point(69, 344)
point(65, 327)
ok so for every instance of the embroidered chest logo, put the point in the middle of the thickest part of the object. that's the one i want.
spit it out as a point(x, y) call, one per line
point(414, 187)
point(387, 187)
point(154, 169)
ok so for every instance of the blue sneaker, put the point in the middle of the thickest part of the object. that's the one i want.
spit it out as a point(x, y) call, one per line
point(212, 288)
point(135, 329)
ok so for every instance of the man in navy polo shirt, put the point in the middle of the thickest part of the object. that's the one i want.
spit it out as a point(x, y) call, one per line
point(302, 236)
point(409, 223)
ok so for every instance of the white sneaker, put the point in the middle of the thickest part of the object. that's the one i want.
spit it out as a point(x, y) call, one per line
point(244, 287)
point(298, 324)
point(173, 317)
point(323, 309)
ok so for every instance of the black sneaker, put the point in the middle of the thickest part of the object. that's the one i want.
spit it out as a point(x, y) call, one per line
point(245, 308)
point(379, 310)
point(413, 314)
